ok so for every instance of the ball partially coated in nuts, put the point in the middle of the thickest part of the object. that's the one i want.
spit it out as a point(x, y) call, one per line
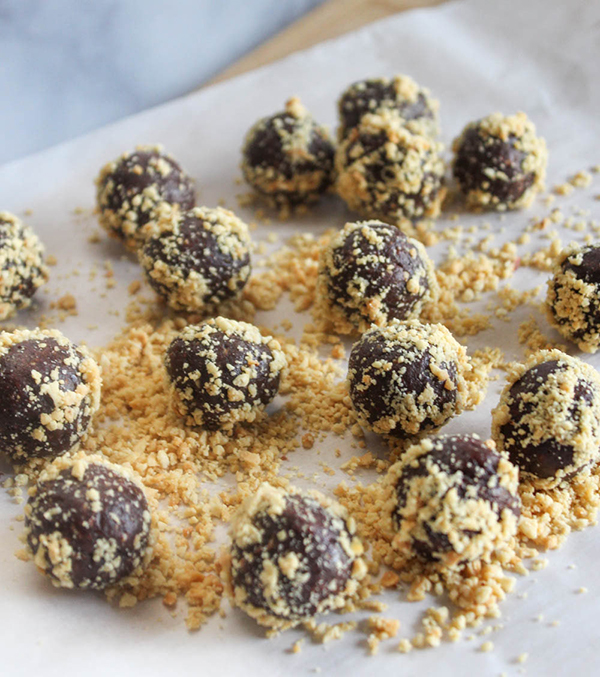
point(386, 172)
point(49, 391)
point(500, 162)
point(371, 273)
point(455, 499)
point(223, 372)
point(293, 555)
point(87, 523)
point(548, 417)
point(400, 94)
point(132, 189)
point(407, 378)
point(22, 268)
point(573, 300)
point(199, 259)
point(288, 157)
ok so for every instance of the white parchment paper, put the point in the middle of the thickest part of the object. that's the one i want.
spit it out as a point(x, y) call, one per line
point(477, 57)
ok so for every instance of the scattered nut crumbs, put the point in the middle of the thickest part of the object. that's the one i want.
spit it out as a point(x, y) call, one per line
point(137, 428)
point(405, 645)
point(67, 303)
point(381, 628)
point(324, 632)
point(531, 336)
point(134, 287)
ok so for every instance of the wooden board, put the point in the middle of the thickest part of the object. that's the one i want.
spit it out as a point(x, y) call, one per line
point(329, 20)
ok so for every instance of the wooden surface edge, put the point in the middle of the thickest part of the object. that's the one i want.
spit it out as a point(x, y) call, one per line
point(327, 21)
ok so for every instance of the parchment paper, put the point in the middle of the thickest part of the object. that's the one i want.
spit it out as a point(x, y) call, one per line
point(477, 57)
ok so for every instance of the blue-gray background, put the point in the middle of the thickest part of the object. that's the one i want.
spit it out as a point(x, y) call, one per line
point(69, 66)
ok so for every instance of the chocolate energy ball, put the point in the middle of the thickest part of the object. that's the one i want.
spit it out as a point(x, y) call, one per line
point(200, 258)
point(288, 157)
point(386, 172)
point(223, 372)
point(407, 378)
point(22, 268)
point(548, 417)
point(455, 499)
point(293, 555)
point(372, 273)
point(573, 300)
point(87, 523)
point(49, 391)
point(400, 94)
point(131, 191)
point(499, 162)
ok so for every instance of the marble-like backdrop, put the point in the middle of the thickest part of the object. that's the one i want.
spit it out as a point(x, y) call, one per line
point(69, 66)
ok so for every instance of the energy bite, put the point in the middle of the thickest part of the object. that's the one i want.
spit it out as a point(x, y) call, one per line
point(87, 523)
point(131, 190)
point(371, 273)
point(22, 268)
point(199, 259)
point(293, 555)
point(573, 300)
point(49, 391)
point(288, 157)
point(386, 172)
point(455, 499)
point(223, 372)
point(500, 162)
point(400, 94)
point(548, 417)
point(407, 378)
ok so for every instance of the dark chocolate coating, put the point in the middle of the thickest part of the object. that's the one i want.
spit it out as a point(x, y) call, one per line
point(379, 171)
point(477, 465)
point(476, 154)
point(196, 248)
point(376, 95)
point(22, 403)
point(265, 150)
point(375, 400)
point(230, 353)
point(310, 532)
point(26, 285)
point(61, 505)
point(385, 277)
point(547, 458)
point(176, 188)
point(589, 272)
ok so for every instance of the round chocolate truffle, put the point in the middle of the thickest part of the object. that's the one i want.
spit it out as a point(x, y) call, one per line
point(288, 157)
point(293, 555)
point(548, 417)
point(22, 269)
point(223, 372)
point(407, 378)
point(573, 301)
point(49, 390)
point(386, 172)
point(499, 162)
point(371, 273)
point(455, 499)
point(200, 258)
point(87, 523)
point(400, 94)
point(131, 191)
